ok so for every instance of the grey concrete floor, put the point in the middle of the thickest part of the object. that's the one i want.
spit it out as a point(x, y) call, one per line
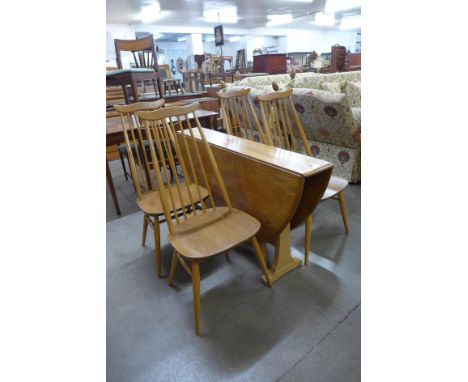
point(306, 328)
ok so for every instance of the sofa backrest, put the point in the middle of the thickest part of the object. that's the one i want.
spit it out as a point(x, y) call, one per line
point(327, 117)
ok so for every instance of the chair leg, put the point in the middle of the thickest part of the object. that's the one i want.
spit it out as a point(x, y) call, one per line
point(157, 245)
point(145, 229)
point(261, 260)
point(264, 250)
point(341, 200)
point(196, 294)
point(172, 271)
point(308, 229)
point(123, 166)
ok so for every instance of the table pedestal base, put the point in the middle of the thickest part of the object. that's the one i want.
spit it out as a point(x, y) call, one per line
point(284, 262)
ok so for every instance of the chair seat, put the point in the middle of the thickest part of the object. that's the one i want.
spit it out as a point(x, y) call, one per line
point(111, 73)
point(150, 203)
point(215, 231)
point(335, 186)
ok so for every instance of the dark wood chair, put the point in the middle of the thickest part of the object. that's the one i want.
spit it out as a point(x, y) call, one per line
point(145, 67)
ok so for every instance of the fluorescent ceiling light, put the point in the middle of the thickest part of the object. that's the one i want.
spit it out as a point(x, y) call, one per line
point(152, 12)
point(182, 39)
point(351, 22)
point(210, 39)
point(274, 20)
point(341, 5)
point(324, 19)
point(226, 15)
point(234, 39)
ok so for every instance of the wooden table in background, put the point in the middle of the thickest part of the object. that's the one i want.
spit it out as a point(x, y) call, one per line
point(278, 187)
point(114, 136)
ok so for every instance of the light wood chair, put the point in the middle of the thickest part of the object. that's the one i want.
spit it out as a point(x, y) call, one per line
point(279, 127)
point(196, 234)
point(239, 117)
point(169, 82)
point(142, 164)
point(283, 127)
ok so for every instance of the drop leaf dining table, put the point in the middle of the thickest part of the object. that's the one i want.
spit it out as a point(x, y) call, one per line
point(278, 187)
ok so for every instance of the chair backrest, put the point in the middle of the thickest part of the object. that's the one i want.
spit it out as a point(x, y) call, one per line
point(199, 59)
point(281, 122)
point(164, 130)
point(239, 116)
point(140, 163)
point(142, 49)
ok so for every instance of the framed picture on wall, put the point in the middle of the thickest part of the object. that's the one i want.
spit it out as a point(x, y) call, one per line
point(219, 35)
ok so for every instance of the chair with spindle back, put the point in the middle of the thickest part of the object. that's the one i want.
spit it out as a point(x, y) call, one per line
point(239, 117)
point(141, 164)
point(144, 61)
point(280, 127)
point(196, 234)
point(284, 129)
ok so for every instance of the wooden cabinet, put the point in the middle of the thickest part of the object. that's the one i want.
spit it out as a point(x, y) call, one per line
point(269, 63)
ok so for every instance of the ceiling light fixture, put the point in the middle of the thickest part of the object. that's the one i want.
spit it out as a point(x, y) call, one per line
point(341, 5)
point(324, 19)
point(180, 39)
point(226, 15)
point(274, 20)
point(350, 22)
point(150, 13)
point(209, 39)
point(234, 39)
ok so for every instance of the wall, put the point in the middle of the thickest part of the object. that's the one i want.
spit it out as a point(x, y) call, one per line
point(172, 51)
point(286, 40)
point(320, 41)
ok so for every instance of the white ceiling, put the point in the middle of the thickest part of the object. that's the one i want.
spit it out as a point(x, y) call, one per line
point(251, 13)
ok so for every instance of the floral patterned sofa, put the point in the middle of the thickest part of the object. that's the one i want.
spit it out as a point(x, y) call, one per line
point(329, 106)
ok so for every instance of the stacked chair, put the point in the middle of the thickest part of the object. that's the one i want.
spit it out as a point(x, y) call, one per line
point(200, 226)
point(137, 151)
point(280, 127)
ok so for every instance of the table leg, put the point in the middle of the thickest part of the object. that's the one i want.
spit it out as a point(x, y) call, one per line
point(283, 262)
point(110, 183)
point(211, 123)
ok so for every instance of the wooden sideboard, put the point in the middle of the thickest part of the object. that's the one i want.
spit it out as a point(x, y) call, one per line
point(269, 63)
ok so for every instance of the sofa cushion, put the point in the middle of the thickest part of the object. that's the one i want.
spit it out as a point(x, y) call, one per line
point(263, 80)
point(307, 80)
point(333, 86)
